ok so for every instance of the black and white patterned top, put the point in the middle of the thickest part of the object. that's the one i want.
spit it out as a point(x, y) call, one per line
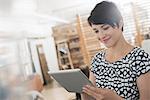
point(121, 75)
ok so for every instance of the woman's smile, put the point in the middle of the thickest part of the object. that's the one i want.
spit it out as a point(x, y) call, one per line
point(105, 39)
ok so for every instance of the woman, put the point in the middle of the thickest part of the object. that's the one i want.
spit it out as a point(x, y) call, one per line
point(122, 70)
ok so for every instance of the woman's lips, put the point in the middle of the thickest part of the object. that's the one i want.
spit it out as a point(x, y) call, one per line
point(105, 39)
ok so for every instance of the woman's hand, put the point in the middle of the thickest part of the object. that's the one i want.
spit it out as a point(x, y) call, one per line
point(100, 93)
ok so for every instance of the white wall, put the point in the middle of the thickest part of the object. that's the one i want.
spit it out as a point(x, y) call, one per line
point(50, 54)
point(20, 19)
point(10, 59)
point(35, 58)
point(49, 50)
point(25, 57)
point(146, 45)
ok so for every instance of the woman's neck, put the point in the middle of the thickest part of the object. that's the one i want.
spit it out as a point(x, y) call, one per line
point(120, 47)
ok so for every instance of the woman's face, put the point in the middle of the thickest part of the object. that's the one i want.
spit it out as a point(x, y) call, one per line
point(107, 34)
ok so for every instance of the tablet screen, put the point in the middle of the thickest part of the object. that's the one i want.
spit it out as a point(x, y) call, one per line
point(72, 80)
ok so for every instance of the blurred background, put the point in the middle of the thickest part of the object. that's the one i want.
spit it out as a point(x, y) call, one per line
point(37, 36)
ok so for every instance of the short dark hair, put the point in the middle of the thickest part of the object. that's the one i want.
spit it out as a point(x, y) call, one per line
point(105, 12)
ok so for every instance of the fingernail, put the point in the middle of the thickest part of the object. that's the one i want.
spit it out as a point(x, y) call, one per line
point(83, 91)
point(83, 88)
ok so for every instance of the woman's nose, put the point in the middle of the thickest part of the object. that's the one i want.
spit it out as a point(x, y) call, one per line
point(101, 33)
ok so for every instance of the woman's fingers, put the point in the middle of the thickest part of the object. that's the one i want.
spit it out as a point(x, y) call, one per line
point(95, 89)
point(92, 91)
point(89, 91)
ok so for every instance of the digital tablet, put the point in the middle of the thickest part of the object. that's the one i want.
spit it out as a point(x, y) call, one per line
point(72, 80)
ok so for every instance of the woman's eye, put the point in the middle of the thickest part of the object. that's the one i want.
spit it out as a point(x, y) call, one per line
point(96, 31)
point(105, 28)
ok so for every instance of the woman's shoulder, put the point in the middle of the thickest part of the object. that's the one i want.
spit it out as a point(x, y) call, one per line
point(140, 61)
point(140, 52)
point(96, 60)
point(99, 54)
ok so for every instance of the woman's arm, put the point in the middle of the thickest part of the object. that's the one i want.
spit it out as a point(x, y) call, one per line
point(143, 83)
point(92, 79)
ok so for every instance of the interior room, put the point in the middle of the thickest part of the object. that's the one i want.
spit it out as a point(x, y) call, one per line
point(41, 36)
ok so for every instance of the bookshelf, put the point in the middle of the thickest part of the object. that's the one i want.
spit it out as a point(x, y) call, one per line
point(67, 46)
point(64, 56)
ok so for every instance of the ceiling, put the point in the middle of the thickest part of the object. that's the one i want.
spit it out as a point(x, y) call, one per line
point(38, 16)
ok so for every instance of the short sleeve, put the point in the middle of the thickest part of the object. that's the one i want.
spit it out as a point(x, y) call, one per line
point(95, 62)
point(93, 65)
point(143, 63)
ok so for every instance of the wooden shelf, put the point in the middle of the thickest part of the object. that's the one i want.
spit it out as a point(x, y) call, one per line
point(71, 38)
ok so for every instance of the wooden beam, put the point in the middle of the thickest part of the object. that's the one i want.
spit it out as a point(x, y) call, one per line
point(82, 41)
point(138, 37)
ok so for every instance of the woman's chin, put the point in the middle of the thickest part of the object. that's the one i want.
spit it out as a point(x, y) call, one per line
point(108, 45)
